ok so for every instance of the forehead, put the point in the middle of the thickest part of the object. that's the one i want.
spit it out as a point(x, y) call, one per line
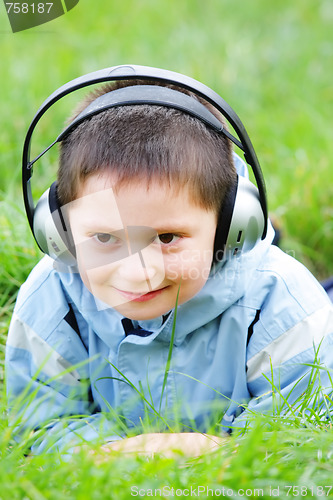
point(106, 187)
point(135, 202)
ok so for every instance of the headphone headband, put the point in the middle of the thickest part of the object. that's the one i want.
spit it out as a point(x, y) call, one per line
point(145, 94)
point(128, 72)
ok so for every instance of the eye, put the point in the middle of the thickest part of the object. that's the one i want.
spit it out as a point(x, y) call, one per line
point(168, 238)
point(105, 238)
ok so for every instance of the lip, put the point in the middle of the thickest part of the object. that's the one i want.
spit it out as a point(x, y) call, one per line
point(140, 297)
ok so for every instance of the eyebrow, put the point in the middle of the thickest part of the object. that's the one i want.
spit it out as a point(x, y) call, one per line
point(94, 229)
point(168, 227)
point(173, 228)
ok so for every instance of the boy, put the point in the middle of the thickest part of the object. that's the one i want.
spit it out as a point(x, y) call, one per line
point(151, 321)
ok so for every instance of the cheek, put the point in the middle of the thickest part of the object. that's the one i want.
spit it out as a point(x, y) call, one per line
point(189, 265)
point(92, 277)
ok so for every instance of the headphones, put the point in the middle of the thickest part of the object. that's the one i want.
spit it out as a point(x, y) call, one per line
point(243, 218)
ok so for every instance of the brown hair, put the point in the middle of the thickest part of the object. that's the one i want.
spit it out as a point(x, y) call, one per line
point(143, 143)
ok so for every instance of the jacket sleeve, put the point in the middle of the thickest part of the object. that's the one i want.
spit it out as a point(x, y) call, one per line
point(48, 389)
point(290, 354)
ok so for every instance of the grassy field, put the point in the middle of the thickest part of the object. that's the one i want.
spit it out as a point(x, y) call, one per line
point(272, 61)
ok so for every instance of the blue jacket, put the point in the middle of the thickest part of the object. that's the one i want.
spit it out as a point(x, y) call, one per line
point(261, 308)
point(259, 315)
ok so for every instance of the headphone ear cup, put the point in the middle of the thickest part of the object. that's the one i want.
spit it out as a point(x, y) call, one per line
point(224, 222)
point(241, 222)
point(50, 230)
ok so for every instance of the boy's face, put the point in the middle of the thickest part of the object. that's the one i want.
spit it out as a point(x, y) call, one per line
point(136, 246)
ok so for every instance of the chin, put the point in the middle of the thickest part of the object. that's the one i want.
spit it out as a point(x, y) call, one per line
point(141, 315)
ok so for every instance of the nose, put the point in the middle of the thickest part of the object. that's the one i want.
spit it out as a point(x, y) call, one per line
point(136, 270)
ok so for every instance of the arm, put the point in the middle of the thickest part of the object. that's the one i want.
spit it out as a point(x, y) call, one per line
point(45, 390)
point(190, 444)
point(290, 370)
point(52, 400)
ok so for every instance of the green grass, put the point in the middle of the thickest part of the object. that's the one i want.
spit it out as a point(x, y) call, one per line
point(272, 61)
point(282, 459)
point(279, 455)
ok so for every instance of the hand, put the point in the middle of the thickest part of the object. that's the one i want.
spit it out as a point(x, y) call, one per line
point(191, 444)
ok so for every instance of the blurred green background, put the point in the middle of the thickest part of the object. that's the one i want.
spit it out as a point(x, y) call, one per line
point(271, 61)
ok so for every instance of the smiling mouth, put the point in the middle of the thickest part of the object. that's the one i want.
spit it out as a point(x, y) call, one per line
point(140, 297)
